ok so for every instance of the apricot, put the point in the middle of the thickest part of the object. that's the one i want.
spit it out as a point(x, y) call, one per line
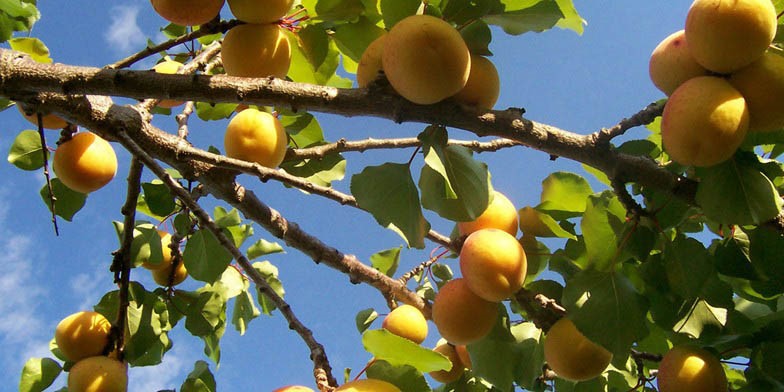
point(370, 63)
point(294, 388)
point(762, 86)
point(98, 374)
point(457, 370)
point(408, 322)
point(256, 136)
point(461, 316)
point(571, 355)
point(465, 358)
point(368, 385)
point(49, 121)
point(168, 67)
point(161, 275)
point(483, 85)
point(165, 250)
point(500, 214)
point(255, 11)
point(704, 121)
point(82, 334)
point(425, 59)
point(691, 369)
point(726, 35)
point(256, 51)
point(85, 163)
point(188, 12)
point(671, 63)
point(493, 264)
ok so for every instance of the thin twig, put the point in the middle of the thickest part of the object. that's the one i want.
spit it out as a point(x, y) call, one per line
point(643, 117)
point(45, 152)
point(344, 145)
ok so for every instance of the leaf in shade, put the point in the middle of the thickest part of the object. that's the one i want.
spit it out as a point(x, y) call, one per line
point(205, 258)
point(68, 203)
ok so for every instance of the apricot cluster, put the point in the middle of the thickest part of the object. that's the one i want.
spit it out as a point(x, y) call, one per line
point(81, 338)
point(259, 48)
point(720, 80)
point(426, 61)
point(493, 265)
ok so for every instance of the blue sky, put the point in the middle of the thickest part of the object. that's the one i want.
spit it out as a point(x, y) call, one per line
point(578, 83)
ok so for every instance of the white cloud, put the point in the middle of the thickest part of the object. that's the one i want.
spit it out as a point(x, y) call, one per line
point(124, 33)
point(168, 375)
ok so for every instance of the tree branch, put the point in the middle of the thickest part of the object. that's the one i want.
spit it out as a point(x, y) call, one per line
point(344, 145)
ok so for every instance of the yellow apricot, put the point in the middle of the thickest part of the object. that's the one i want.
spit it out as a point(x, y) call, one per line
point(49, 121)
point(188, 12)
point(368, 385)
point(762, 86)
point(82, 334)
point(98, 374)
point(726, 35)
point(461, 316)
point(168, 67)
point(256, 136)
point(571, 355)
point(294, 388)
point(465, 358)
point(500, 214)
point(691, 369)
point(85, 163)
point(256, 51)
point(671, 63)
point(161, 275)
point(370, 63)
point(165, 250)
point(483, 85)
point(408, 322)
point(256, 11)
point(704, 122)
point(425, 59)
point(457, 370)
point(493, 264)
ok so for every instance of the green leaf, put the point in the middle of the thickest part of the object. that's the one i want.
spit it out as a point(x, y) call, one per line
point(365, 318)
point(609, 294)
point(571, 19)
point(147, 324)
point(333, 10)
point(405, 377)
point(323, 171)
point(386, 261)
point(158, 198)
point(400, 351)
point(206, 318)
point(26, 152)
point(32, 46)
point(395, 10)
point(477, 36)
point(68, 203)
point(388, 192)
point(304, 130)
point(38, 374)
point(146, 246)
point(214, 111)
point(315, 58)
point(245, 311)
point(353, 38)
point(453, 183)
point(736, 192)
point(270, 273)
point(688, 266)
point(604, 216)
point(200, 379)
point(700, 318)
point(263, 247)
point(564, 195)
point(205, 258)
point(226, 219)
point(531, 15)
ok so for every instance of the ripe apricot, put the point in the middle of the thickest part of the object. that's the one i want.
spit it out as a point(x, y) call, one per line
point(408, 322)
point(82, 334)
point(704, 121)
point(98, 374)
point(168, 67)
point(483, 85)
point(762, 86)
point(460, 315)
point(465, 358)
point(425, 59)
point(370, 63)
point(726, 35)
point(256, 51)
point(493, 264)
point(691, 369)
point(161, 275)
point(256, 136)
point(188, 12)
point(49, 121)
point(165, 250)
point(500, 214)
point(294, 388)
point(571, 355)
point(671, 63)
point(457, 370)
point(85, 163)
point(253, 11)
point(368, 385)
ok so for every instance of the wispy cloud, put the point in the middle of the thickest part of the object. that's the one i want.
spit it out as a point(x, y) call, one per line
point(124, 33)
point(168, 375)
